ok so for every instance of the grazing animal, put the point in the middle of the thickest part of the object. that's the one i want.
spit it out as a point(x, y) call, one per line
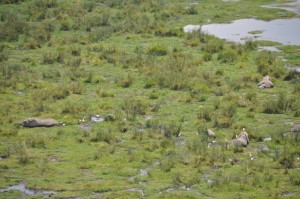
point(33, 122)
point(296, 128)
point(210, 133)
point(266, 82)
point(242, 139)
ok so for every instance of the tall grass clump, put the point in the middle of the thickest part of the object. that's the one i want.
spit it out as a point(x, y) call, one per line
point(134, 107)
point(227, 56)
point(12, 28)
point(281, 105)
point(250, 45)
point(158, 50)
point(264, 61)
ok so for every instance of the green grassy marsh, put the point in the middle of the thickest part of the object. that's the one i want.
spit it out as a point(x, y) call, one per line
point(131, 62)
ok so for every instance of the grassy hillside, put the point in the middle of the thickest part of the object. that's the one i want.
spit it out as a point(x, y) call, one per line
point(131, 63)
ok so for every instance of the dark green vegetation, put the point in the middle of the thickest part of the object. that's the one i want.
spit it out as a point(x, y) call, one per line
point(130, 59)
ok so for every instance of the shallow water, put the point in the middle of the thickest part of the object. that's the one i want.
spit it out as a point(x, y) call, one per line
point(21, 187)
point(284, 31)
point(292, 6)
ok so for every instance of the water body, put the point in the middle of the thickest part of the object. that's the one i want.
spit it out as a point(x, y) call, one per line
point(21, 187)
point(292, 6)
point(284, 31)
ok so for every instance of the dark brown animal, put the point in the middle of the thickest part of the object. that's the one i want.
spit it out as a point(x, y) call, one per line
point(33, 122)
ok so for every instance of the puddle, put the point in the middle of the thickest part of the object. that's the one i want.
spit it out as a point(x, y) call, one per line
point(267, 139)
point(30, 192)
point(143, 172)
point(260, 149)
point(181, 188)
point(285, 31)
point(296, 69)
point(269, 48)
point(231, 0)
point(180, 142)
point(149, 117)
point(137, 190)
point(97, 118)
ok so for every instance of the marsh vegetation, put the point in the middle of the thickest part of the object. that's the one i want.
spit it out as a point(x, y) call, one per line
point(137, 95)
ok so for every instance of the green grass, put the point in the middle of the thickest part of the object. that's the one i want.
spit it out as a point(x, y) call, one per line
point(70, 60)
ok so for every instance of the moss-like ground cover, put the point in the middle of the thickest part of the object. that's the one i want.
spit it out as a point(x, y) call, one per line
point(131, 62)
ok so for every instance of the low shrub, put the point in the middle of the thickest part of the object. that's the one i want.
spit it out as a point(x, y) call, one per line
point(283, 104)
point(227, 56)
point(213, 46)
point(49, 58)
point(205, 113)
point(158, 50)
point(222, 122)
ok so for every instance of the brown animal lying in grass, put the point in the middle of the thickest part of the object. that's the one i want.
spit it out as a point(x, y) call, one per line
point(210, 133)
point(296, 128)
point(242, 139)
point(33, 122)
point(266, 82)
